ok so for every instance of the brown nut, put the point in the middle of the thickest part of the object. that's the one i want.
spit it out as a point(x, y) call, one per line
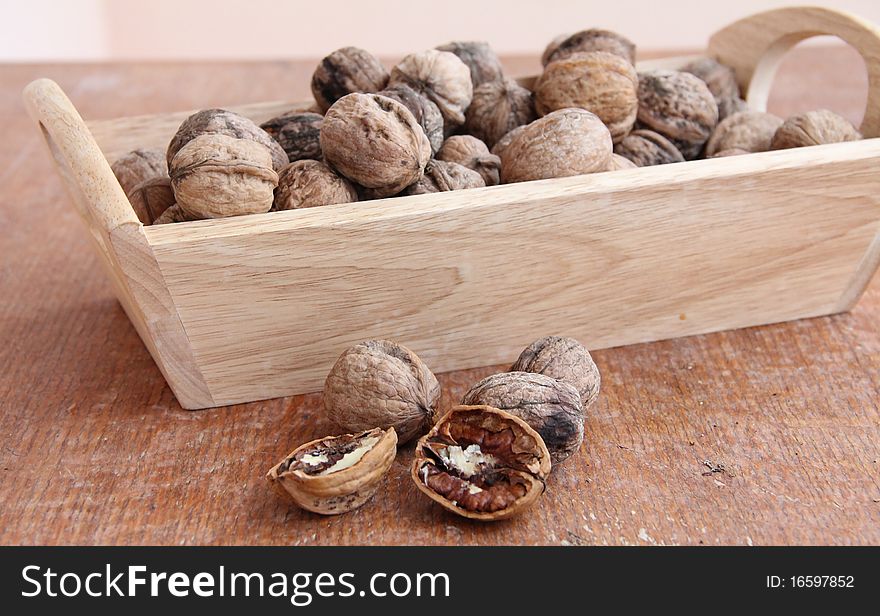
point(730, 106)
point(481, 463)
point(551, 47)
point(443, 176)
point(593, 39)
point(336, 474)
point(376, 142)
point(552, 408)
point(730, 152)
point(479, 58)
point(172, 214)
point(220, 121)
point(680, 107)
point(440, 76)
point(564, 359)
point(597, 81)
point(646, 148)
point(721, 81)
point(497, 108)
point(381, 383)
point(311, 183)
point(813, 128)
point(214, 176)
point(562, 143)
point(346, 71)
point(619, 163)
point(139, 166)
point(751, 131)
point(298, 132)
point(505, 140)
point(424, 111)
point(151, 198)
point(472, 153)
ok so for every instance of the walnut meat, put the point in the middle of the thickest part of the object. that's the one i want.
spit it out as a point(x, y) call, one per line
point(376, 142)
point(346, 71)
point(298, 132)
point(139, 166)
point(472, 153)
point(151, 198)
point(562, 143)
point(479, 58)
point(481, 463)
point(646, 148)
point(424, 111)
point(440, 76)
point(597, 81)
point(751, 131)
point(497, 108)
point(311, 183)
point(593, 39)
point(564, 359)
point(381, 383)
point(680, 107)
point(721, 81)
point(813, 128)
point(215, 175)
point(443, 176)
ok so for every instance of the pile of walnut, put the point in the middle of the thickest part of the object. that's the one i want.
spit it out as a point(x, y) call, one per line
point(486, 459)
point(448, 119)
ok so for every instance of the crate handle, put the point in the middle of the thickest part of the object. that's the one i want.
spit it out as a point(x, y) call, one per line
point(754, 47)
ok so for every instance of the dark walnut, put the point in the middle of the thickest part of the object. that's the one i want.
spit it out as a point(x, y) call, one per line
point(497, 108)
point(551, 407)
point(214, 176)
point(376, 142)
point(381, 383)
point(336, 474)
point(151, 198)
point(222, 122)
point(424, 111)
point(346, 71)
point(813, 128)
point(645, 148)
point(298, 132)
point(139, 166)
point(562, 143)
point(597, 81)
point(619, 163)
point(593, 40)
point(443, 176)
point(479, 58)
point(751, 131)
point(440, 76)
point(564, 359)
point(473, 154)
point(173, 214)
point(481, 463)
point(680, 107)
point(721, 81)
point(311, 183)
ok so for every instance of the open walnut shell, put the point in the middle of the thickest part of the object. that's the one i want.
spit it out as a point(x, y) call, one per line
point(481, 463)
point(336, 474)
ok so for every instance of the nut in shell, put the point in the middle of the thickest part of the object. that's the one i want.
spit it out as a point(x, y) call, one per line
point(472, 153)
point(564, 359)
point(441, 77)
point(151, 198)
point(311, 183)
point(346, 71)
point(479, 57)
point(645, 148)
point(481, 463)
point(619, 163)
point(336, 474)
point(138, 166)
point(497, 108)
point(443, 176)
point(594, 39)
point(751, 131)
point(172, 214)
point(424, 111)
point(721, 81)
point(813, 128)
point(298, 132)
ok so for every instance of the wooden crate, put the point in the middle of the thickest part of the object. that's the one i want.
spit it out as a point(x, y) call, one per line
point(255, 307)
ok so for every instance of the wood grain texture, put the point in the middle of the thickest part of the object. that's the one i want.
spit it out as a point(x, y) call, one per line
point(96, 450)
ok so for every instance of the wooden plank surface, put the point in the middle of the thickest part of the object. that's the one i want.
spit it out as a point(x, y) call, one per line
point(764, 435)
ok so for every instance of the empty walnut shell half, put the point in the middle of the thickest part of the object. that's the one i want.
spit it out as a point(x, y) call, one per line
point(564, 359)
point(472, 153)
point(151, 198)
point(311, 183)
point(481, 463)
point(381, 383)
point(336, 474)
point(497, 108)
point(346, 71)
point(593, 39)
point(138, 166)
point(751, 131)
point(443, 176)
point(442, 77)
point(813, 128)
point(645, 148)
point(298, 132)
point(424, 111)
point(479, 58)
point(721, 81)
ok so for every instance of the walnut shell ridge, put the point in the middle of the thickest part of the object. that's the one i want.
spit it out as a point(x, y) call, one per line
point(645, 148)
point(426, 113)
point(564, 359)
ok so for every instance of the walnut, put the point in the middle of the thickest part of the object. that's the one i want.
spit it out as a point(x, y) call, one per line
point(813, 128)
point(618, 163)
point(564, 359)
point(215, 175)
point(597, 81)
point(346, 71)
point(442, 77)
point(552, 46)
point(479, 58)
point(680, 107)
point(151, 198)
point(646, 148)
point(551, 407)
point(138, 166)
point(751, 131)
point(336, 474)
point(172, 214)
point(497, 108)
point(592, 40)
point(381, 383)
point(505, 140)
point(721, 81)
point(481, 463)
point(298, 132)
point(730, 106)
point(376, 142)
point(220, 121)
point(562, 143)
point(311, 183)
point(473, 154)
point(730, 152)
point(443, 176)
point(424, 111)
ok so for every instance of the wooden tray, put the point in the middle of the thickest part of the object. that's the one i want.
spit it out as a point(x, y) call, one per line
point(255, 307)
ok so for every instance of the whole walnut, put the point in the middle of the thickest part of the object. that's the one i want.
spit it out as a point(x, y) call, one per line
point(497, 108)
point(346, 71)
point(151, 198)
point(442, 77)
point(426, 113)
point(813, 128)
point(222, 122)
point(551, 47)
point(215, 175)
point(311, 183)
point(562, 143)
point(564, 359)
point(751, 131)
point(298, 132)
point(443, 176)
point(721, 81)
point(680, 107)
point(593, 39)
point(552, 408)
point(509, 136)
point(376, 142)
point(472, 153)
point(173, 214)
point(730, 106)
point(597, 81)
point(618, 163)
point(730, 152)
point(383, 384)
point(645, 148)
point(479, 58)
point(138, 166)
